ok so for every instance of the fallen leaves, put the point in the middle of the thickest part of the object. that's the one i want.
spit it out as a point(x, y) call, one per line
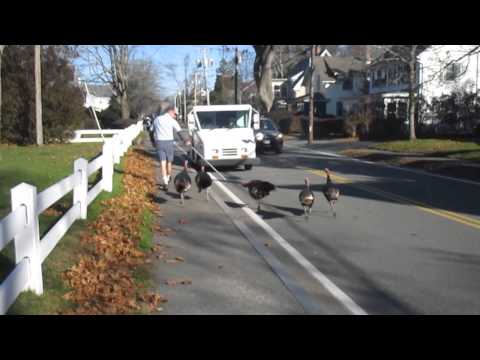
point(102, 281)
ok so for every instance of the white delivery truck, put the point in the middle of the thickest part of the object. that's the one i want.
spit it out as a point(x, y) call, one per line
point(224, 134)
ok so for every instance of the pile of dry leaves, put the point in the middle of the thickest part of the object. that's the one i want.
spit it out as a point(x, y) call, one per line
point(102, 281)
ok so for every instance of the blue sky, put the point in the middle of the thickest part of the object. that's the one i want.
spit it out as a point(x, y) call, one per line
point(165, 54)
point(174, 54)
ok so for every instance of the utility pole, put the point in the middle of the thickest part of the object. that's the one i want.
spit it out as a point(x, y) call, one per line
point(311, 96)
point(205, 74)
point(179, 101)
point(38, 96)
point(236, 74)
point(195, 88)
point(184, 106)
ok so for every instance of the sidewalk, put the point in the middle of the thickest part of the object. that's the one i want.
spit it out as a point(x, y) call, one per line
point(211, 268)
point(462, 169)
point(438, 165)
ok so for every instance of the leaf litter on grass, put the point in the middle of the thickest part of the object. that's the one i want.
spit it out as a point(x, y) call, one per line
point(102, 282)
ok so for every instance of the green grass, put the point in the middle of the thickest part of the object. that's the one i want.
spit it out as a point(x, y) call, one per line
point(63, 257)
point(146, 241)
point(465, 150)
point(38, 166)
point(43, 174)
point(43, 167)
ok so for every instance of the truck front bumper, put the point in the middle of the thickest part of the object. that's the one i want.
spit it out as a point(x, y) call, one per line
point(234, 162)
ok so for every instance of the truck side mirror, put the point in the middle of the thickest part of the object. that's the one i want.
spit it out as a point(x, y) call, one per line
point(256, 121)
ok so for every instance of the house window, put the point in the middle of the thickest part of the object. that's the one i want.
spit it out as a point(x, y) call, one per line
point(348, 84)
point(402, 110)
point(453, 71)
point(391, 108)
point(339, 108)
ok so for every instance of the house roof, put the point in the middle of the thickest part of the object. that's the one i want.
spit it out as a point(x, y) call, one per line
point(100, 90)
point(394, 52)
point(330, 68)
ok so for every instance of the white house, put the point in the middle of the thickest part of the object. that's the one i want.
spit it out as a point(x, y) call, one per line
point(446, 68)
point(98, 96)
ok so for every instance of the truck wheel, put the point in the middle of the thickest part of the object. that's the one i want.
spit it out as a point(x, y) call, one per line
point(248, 167)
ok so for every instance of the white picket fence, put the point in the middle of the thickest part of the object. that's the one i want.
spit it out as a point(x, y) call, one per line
point(22, 226)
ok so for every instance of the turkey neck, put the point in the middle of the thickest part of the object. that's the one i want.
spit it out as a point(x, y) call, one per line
point(329, 181)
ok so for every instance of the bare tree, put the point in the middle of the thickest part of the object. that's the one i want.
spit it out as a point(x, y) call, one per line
point(263, 74)
point(143, 87)
point(109, 64)
point(246, 65)
point(2, 47)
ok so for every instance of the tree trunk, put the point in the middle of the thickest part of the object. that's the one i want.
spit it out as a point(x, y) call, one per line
point(263, 74)
point(124, 106)
point(311, 102)
point(38, 96)
point(412, 89)
point(1, 54)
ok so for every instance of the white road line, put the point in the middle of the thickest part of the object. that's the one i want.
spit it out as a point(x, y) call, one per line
point(307, 265)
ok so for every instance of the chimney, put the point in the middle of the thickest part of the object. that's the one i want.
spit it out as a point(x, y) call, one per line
point(318, 50)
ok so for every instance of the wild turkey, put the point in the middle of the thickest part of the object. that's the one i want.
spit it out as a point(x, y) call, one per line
point(307, 198)
point(203, 181)
point(183, 182)
point(259, 189)
point(331, 192)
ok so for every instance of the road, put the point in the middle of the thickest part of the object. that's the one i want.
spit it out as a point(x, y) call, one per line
point(403, 242)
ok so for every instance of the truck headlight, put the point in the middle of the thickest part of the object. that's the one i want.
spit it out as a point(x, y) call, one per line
point(259, 137)
point(215, 151)
point(244, 150)
point(279, 136)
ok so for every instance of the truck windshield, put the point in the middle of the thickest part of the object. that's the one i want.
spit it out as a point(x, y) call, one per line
point(223, 119)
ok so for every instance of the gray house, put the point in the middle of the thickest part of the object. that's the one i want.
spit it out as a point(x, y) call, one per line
point(338, 82)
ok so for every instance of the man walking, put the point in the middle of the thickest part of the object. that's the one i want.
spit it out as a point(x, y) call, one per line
point(165, 126)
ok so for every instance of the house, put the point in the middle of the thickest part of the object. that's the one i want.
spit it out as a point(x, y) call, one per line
point(388, 84)
point(448, 68)
point(98, 96)
point(439, 73)
point(338, 82)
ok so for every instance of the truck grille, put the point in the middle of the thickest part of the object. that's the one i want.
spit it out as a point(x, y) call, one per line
point(229, 152)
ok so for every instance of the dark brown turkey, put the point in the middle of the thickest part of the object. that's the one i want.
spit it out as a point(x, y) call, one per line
point(307, 198)
point(331, 192)
point(183, 182)
point(203, 181)
point(259, 189)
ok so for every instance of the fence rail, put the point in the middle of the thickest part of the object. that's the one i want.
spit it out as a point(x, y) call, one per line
point(21, 224)
point(78, 137)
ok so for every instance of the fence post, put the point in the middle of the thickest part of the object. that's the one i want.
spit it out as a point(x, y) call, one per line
point(81, 190)
point(107, 166)
point(116, 149)
point(27, 243)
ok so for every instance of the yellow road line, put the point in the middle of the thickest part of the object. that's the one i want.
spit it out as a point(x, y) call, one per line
point(453, 216)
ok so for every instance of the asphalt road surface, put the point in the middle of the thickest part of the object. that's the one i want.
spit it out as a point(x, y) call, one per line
point(403, 242)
